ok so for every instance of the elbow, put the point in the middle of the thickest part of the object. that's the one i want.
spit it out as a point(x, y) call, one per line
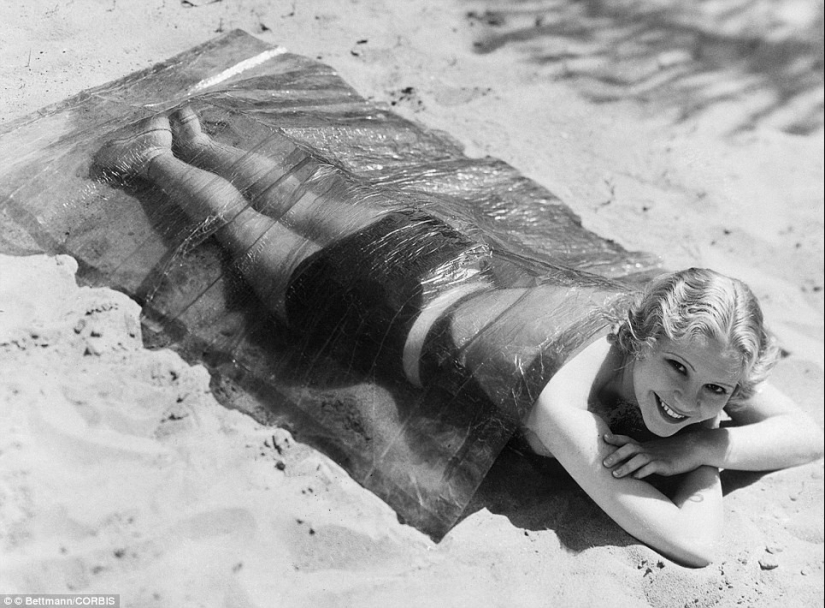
point(816, 454)
point(808, 443)
point(819, 445)
point(699, 557)
point(692, 546)
point(814, 445)
point(818, 451)
point(695, 554)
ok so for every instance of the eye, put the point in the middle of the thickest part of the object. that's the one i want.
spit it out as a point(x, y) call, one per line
point(716, 389)
point(677, 366)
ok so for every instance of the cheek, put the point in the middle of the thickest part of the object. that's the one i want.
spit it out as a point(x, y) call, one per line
point(646, 375)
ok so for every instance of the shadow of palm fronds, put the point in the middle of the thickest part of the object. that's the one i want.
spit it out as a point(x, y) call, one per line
point(763, 60)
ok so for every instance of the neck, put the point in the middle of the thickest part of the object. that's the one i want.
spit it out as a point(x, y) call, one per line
point(617, 383)
point(623, 415)
point(624, 379)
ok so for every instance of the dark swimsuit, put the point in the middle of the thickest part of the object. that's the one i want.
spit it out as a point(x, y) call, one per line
point(360, 296)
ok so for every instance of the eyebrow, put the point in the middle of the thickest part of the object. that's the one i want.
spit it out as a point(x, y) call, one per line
point(681, 359)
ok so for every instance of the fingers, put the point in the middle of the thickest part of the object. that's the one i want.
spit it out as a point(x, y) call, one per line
point(661, 457)
point(629, 458)
point(638, 462)
point(648, 469)
point(627, 448)
point(619, 440)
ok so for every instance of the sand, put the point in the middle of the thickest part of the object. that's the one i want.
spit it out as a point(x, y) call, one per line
point(693, 133)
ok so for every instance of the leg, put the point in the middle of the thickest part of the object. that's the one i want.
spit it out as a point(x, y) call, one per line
point(129, 154)
point(315, 199)
point(266, 252)
point(251, 173)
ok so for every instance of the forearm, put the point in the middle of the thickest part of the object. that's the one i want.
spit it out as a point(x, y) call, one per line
point(775, 443)
point(701, 489)
point(699, 520)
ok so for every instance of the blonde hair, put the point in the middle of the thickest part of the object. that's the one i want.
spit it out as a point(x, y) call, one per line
point(695, 303)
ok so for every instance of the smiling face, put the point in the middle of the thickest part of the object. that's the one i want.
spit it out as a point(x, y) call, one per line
point(681, 382)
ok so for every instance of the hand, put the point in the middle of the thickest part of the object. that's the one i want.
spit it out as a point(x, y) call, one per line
point(666, 456)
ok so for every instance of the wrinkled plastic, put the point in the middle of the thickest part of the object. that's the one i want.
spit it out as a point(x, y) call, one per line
point(406, 349)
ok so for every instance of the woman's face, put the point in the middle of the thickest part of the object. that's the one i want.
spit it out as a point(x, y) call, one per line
point(682, 382)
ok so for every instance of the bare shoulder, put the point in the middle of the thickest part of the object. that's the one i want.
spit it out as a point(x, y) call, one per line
point(562, 425)
point(571, 387)
point(575, 382)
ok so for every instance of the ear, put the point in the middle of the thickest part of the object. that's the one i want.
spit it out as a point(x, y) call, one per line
point(644, 350)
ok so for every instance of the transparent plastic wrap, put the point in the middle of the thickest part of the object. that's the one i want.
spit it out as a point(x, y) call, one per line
point(391, 301)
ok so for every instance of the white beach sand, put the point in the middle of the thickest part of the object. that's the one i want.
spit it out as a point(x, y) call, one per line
point(120, 473)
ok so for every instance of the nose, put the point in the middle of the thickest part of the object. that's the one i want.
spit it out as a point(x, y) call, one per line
point(688, 399)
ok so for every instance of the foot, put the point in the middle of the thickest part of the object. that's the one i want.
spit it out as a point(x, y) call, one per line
point(130, 154)
point(187, 134)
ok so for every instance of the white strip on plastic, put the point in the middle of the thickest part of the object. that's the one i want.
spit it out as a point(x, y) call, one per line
point(431, 313)
point(238, 68)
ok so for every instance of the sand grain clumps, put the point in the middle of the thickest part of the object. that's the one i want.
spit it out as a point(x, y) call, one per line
point(45, 312)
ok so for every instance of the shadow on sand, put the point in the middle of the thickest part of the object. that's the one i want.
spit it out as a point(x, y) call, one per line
point(761, 60)
point(536, 494)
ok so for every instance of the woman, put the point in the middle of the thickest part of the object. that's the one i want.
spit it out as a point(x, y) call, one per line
point(574, 366)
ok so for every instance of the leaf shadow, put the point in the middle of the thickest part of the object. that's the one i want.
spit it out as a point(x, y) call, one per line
point(761, 63)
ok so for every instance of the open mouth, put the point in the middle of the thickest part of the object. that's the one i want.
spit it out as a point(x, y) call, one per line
point(668, 413)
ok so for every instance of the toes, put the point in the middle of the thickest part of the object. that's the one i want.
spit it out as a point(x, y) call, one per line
point(186, 126)
point(185, 114)
point(188, 138)
point(153, 123)
point(130, 152)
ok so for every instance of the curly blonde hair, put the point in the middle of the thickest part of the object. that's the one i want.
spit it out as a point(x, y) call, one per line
point(698, 302)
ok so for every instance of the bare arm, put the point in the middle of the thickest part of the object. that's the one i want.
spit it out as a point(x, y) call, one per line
point(772, 433)
point(684, 528)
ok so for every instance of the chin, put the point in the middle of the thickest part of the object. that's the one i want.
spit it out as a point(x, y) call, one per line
point(660, 430)
point(659, 427)
point(666, 432)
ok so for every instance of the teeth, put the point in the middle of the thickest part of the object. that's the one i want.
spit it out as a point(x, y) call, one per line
point(670, 412)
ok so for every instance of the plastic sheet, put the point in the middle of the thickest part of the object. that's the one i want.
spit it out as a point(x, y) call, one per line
point(438, 297)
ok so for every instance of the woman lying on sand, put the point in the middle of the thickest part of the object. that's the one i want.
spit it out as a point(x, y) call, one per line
point(677, 357)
